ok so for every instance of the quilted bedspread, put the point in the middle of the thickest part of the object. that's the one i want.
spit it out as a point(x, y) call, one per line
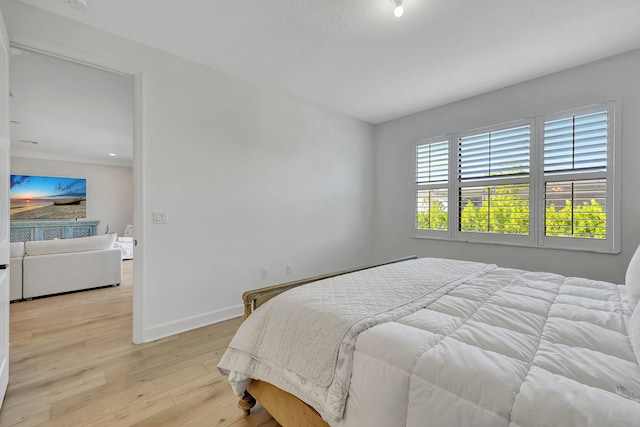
point(303, 340)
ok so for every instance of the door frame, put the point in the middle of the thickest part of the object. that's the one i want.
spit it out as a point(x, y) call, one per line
point(139, 225)
point(5, 257)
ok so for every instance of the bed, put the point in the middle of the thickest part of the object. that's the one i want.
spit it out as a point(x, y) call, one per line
point(441, 342)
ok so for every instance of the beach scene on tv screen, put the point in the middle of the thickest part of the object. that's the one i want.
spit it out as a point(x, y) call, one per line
point(47, 197)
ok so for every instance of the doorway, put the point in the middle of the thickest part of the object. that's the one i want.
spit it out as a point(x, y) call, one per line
point(75, 119)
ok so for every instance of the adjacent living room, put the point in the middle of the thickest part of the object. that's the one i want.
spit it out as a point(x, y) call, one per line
point(71, 184)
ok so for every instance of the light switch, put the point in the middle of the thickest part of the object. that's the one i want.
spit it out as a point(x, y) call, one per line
point(160, 217)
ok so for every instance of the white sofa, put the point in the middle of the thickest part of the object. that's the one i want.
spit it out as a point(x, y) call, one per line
point(16, 252)
point(126, 243)
point(57, 266)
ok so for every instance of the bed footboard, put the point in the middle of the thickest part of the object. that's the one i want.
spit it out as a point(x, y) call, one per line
point(255, 298)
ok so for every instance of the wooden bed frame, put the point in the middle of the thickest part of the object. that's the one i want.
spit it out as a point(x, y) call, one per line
point(284, 407)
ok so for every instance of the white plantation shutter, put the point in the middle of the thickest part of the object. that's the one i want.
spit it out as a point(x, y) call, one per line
point(493, 181)
point(432, 162)
point(546, 181)
point(576, 168)
point(432, 186)
point(494, 154)
point(576, 143)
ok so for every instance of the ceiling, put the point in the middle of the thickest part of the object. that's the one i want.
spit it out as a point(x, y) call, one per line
point(355, 57)
point(61, 110)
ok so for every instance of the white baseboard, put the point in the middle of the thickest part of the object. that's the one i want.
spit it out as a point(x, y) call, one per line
point(183, 325)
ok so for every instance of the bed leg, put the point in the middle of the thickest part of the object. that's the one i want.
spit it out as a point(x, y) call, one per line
point(246, 403)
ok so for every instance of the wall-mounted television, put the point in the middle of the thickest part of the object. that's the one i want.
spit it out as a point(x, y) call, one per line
point(47, 197)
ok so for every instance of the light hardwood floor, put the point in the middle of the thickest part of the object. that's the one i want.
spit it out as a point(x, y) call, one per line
point(72, 363)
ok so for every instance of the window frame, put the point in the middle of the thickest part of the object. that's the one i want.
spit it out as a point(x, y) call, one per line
point(610, 244)
point(419, 232)
point(473, 236)
point(536, 181)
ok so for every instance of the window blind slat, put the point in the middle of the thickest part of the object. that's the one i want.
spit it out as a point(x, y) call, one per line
point(576, 143)
point(494, 154)
point(432, 162)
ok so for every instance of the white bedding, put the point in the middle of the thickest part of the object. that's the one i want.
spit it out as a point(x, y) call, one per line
point(512, 348)
point(303, 340)
point(503, 348)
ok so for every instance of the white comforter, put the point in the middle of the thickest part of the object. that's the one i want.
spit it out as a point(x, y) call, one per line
point(512, 348)
point(501, 348)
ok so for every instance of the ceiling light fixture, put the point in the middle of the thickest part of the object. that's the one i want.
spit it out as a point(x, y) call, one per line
point(112, 154)
point(399, 10)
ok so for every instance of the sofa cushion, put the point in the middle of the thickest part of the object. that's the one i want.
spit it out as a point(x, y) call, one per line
point(92, 243)
point(16, 249)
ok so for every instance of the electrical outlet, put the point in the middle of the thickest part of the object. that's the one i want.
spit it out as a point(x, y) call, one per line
point(265, 273)
point(287, 268)
point(160, 217)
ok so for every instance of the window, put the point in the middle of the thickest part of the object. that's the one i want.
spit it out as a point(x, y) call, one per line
point(432, 187)
point(546, 182)
point(577, 178)
point(493, 183)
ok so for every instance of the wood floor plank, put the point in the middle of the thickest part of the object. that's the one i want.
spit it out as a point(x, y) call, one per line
point(126, 389)
point(72, 363)
point(127, 404)
point(192, 400)
point(216, 418)
point(58, 387)
point(26, 415)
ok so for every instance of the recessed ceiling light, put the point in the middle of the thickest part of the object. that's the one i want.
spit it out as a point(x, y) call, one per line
point(112, 154)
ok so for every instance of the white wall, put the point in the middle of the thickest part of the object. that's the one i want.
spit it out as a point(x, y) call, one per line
point(250, 178)
point(596, 82)
point(109, 188)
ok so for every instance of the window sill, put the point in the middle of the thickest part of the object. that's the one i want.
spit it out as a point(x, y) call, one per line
point(522, 245)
